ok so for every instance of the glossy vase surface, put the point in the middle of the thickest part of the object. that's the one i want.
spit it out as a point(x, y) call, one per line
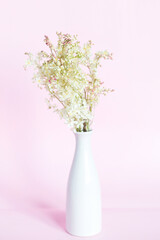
point(83, 205)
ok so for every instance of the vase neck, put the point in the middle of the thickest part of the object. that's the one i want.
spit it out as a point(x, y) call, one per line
point(83, 141)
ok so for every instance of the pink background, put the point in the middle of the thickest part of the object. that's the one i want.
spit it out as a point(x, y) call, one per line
point(37, 148)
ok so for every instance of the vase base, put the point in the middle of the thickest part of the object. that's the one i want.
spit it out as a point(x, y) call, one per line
point(83, 234)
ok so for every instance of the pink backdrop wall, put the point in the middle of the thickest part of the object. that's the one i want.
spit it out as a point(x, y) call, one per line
point(37, 148)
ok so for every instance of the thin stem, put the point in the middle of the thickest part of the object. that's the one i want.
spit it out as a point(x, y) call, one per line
point(62, 104)
point(85, 94)
point(59, 100)
point(85, 127)
point(53, 54)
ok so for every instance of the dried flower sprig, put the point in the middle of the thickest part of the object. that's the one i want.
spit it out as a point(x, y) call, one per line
point(69, 74)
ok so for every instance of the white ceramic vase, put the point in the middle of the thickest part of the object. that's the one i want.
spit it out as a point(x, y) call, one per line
point(83, 206)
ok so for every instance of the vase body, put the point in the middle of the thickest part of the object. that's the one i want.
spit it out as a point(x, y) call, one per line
point(83, 206)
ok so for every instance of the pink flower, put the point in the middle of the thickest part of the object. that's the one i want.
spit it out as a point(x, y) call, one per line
point(47, 41)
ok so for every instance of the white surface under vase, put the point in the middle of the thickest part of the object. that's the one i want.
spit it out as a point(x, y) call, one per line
point(83, 205)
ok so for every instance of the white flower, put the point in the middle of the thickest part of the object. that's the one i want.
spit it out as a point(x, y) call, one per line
point(69, 74)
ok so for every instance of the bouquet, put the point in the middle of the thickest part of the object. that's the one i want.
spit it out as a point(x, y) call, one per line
point(69, 73)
